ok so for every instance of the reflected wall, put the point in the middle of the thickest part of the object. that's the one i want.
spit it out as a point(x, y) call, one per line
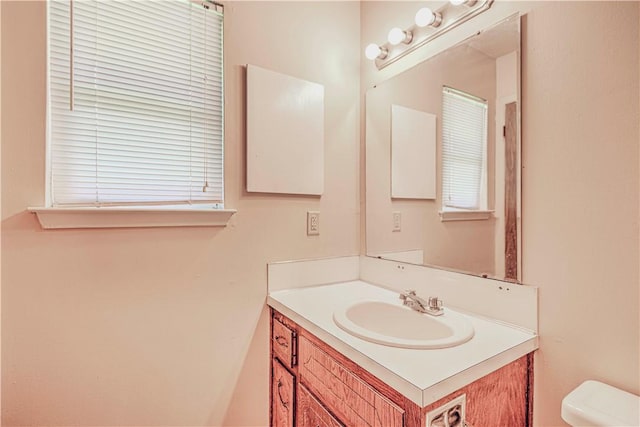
point(486, 66)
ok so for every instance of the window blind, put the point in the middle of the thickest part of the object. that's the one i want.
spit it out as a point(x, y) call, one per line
point(464, 142)
point(135, 102)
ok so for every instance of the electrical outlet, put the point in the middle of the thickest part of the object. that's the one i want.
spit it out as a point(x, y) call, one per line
point(313, 223)
point(451, 414)
point(397, 221)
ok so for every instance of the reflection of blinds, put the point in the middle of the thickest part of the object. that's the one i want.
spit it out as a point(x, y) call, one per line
point(464, 141)
point(135, 102)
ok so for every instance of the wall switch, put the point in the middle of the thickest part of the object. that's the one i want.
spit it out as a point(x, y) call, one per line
point(397, 221)
point(313, 223)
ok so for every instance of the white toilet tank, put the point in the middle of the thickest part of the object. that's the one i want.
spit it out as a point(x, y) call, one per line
point(594, 403)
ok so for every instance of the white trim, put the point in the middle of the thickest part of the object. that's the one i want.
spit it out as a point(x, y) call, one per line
point(463, 215)
point(312, 272)
point(131, 217)
point(413, 256)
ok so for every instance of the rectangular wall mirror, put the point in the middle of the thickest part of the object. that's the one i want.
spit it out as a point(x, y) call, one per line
point(473, 224)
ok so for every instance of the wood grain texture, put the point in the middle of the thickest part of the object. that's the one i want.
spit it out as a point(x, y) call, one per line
point(511, 193)
point(529, 409)
point(285, 320)
point(412, 415)
point(350, 398)
point(284, 343)
point(282, 396)
point(311, 413)
point(496, 400)
point(502, 398)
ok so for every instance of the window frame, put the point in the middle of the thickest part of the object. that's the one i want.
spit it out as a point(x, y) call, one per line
point(132, 215)
point(480, 211)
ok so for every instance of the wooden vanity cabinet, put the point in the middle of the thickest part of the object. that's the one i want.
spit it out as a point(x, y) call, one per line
point(313, 385)
point(283, 343)
point(282, 395)
point(350, 398)
point(310, 411)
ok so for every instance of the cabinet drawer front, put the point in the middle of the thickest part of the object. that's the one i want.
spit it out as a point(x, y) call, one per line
point(351, 399)
point(282, 396)
point(284, 344)
point(311, 413)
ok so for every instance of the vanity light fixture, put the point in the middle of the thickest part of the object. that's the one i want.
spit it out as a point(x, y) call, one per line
point(429, 24)
point(373, 51)
point(397, 36)
point(426, 16)
point(465, 2)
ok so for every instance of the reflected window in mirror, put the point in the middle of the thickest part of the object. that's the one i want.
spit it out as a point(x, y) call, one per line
point(464, 151)
point(479, 242)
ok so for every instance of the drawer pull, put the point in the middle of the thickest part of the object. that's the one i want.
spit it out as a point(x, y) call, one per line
point(282, 401)
point(282, 341)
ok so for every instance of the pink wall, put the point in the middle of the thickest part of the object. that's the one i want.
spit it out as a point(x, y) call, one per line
point(151, 327)
point(580, 206)
point(581, 133)
point(165, 326)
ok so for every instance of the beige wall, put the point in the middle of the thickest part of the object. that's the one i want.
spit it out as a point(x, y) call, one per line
point(580, 206)
point(580, 184)
point(152, 327)
point(165, 326)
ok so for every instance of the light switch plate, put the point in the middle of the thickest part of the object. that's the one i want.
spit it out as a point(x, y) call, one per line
point(313, 223)
point(397, 221)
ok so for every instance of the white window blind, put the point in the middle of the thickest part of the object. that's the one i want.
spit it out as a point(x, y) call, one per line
point(464, 142)
point(135, 102)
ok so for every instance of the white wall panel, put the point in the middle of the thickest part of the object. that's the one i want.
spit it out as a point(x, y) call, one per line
point(285, 133)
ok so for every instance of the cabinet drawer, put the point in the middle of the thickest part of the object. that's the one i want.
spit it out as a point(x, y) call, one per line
point(282, 396)
point(352, 400)
point(311, 413)
point(284, 344)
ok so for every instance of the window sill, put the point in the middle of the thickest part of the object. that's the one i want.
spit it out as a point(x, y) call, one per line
point(462, 215)
point(131, 217)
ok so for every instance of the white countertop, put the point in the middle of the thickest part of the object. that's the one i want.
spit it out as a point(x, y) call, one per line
point(423, 376)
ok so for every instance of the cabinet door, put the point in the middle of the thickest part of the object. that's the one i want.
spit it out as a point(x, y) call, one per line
point(284, 343)
point(311, 413)
point(344, 393)
point(282, 396)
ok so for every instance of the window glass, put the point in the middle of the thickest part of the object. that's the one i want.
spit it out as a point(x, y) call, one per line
point(135, 102)
point(464, 147)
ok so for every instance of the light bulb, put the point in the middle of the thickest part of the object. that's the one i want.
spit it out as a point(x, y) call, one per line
point(396, 36)
point(426, 16)
point(372, 51)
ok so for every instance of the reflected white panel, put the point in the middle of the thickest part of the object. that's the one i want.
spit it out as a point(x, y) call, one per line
point(413, 154)
point(285, 133)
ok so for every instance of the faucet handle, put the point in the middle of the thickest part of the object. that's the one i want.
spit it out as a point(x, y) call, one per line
point(409, 292)
point(434, 303)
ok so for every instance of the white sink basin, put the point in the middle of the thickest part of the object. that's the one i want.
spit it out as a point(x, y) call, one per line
point(398, 326)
